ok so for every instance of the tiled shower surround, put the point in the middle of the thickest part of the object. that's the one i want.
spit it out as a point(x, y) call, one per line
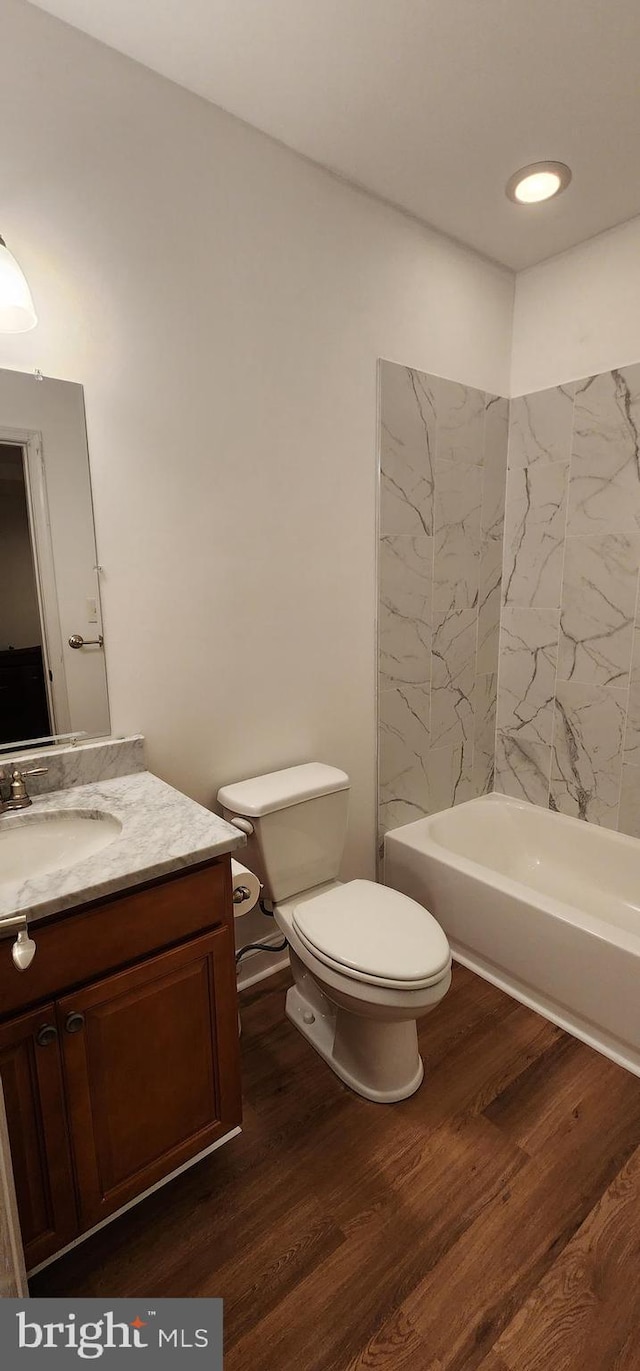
point(569, 689)
point(565, 607)
point(443, 464)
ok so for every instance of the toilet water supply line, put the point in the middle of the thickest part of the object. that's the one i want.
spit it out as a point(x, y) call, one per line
point(247, 828)
point(261, 947)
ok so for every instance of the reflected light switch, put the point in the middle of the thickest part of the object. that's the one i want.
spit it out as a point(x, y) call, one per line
point(92, 611)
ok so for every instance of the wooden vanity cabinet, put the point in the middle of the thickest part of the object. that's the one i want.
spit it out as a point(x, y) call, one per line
point(31, 1071)
point(149, 1058)
point(113, 1082)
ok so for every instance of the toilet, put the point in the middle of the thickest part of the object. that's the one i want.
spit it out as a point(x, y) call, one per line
point(367, 962)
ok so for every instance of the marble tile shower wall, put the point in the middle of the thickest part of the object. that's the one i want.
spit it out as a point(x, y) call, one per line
point(568, 717)
point(443, 455)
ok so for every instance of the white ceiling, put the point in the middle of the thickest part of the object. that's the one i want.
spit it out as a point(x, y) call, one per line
point(431, 104)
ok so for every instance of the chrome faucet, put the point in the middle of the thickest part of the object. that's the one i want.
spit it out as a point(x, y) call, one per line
point(18, 797)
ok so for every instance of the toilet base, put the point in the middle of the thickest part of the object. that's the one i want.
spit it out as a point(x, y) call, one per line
point(377, 1059)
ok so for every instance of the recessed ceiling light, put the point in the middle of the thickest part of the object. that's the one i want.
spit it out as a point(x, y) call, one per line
point(539, 181)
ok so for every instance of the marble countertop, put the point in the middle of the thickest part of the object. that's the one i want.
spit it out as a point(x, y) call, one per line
point(162, 831)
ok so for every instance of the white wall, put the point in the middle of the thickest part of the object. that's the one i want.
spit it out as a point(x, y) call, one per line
point(579, 313)
point(224, 302)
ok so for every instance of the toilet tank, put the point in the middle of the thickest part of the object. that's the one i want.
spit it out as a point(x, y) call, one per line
point(299, 818)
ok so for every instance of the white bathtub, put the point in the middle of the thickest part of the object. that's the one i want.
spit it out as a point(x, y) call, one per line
point(544, 906)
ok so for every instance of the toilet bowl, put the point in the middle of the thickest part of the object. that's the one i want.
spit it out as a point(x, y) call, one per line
point(363, 1021)
point(367, 962)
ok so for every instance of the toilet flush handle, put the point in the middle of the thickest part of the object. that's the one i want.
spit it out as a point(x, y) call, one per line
point(243, 824)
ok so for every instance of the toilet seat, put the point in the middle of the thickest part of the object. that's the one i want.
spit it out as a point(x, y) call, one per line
point(368, 932)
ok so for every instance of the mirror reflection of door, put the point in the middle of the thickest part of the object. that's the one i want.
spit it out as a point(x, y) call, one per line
point(24, 708)
point(49, 684)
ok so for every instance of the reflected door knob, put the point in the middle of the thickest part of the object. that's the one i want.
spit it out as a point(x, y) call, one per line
point(77, 640)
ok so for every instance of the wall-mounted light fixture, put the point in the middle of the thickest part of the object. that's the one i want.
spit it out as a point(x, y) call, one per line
point(539, 181)
point(17, 314)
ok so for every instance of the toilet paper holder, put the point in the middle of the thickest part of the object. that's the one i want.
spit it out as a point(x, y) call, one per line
point(241, 893)
point(246, 888)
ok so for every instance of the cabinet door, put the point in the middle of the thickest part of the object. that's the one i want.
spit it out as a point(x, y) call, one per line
point(152, 1070)
point(31, 1073)
point(13, 1275)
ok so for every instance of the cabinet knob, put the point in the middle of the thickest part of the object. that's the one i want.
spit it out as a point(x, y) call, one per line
point(46, 1035)
point(74, 1023)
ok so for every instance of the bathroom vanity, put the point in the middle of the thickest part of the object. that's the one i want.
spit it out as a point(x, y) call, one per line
point(119, 1044)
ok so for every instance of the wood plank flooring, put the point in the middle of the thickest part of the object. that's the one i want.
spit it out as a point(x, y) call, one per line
point(492, 1221)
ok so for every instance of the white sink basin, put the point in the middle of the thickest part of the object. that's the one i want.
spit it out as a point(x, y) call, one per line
point(33, 844)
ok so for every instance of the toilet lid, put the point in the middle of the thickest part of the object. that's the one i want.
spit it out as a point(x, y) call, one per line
point(374, 934)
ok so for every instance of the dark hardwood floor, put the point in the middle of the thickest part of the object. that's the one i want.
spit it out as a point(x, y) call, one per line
point(492, 1221)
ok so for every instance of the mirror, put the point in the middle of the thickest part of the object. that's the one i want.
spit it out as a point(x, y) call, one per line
point(52, 663)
